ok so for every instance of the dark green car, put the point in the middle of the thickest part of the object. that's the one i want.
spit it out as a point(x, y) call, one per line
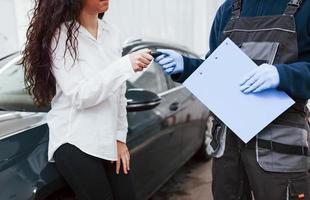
point(167, 126)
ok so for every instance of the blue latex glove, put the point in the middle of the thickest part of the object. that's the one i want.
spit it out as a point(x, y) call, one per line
point(170, 61)
point(262, 78)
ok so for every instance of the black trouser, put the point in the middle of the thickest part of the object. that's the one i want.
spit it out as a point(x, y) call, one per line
point(92, 178)
point(237, 173)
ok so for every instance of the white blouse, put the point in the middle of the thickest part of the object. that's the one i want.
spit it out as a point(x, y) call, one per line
point(89, 108)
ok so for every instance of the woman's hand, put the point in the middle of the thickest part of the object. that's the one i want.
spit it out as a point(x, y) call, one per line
point(140, 59)
point(123, 157)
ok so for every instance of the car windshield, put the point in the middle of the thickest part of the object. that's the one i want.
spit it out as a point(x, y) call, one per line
point(6, 59)
point(13, 95)
point(11, 79)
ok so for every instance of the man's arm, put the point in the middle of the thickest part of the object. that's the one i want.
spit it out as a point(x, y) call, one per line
point(190, 65)
point(295, 79)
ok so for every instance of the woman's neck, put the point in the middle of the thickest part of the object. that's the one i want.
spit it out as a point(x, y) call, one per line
point(90, 22)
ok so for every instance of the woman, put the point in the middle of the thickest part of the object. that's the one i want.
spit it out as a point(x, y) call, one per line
point(74, 60)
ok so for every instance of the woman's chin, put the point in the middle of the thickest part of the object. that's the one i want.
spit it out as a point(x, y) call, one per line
point(103, 9)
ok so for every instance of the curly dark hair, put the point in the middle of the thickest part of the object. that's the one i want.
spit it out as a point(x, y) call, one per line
point(48, 16)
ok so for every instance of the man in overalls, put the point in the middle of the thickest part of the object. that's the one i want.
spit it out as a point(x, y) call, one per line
point(276, 35)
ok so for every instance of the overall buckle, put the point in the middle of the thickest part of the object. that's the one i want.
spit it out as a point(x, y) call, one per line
point(295, 3)
point(236, 5)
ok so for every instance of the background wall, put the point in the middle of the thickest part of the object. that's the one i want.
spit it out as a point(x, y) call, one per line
point(185, 22)
point(8, 29)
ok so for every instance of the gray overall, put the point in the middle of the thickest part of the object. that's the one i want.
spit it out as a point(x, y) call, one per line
point(281, 148)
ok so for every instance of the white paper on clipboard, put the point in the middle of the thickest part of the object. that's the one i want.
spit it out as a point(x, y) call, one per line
point(216, 84)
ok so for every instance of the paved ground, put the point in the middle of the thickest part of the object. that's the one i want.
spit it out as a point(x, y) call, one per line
point(191, 182)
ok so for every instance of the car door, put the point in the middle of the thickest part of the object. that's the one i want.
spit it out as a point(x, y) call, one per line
point(194, 114)
point(153, 136)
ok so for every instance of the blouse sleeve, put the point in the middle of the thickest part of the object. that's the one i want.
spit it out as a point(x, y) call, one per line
point(85, 92)
point(122, 124)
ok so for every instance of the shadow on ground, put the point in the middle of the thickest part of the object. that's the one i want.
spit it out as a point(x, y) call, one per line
point(191, 182)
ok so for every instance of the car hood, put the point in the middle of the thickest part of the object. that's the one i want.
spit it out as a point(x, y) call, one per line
point(12, 123)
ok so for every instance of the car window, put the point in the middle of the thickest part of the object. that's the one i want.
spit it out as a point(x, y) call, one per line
point(152, 79)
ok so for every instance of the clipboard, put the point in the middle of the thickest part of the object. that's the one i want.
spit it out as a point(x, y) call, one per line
point(216, 84)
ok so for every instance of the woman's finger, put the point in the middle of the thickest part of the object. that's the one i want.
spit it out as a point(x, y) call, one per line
point(118, 166)
point(141, 65)
point(144, 60)
point(146, 51)
point(139, 69)
point(147, 56)
point(124, 161)
point(128, 160)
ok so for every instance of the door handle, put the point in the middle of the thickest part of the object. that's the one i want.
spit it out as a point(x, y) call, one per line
point(174, 106)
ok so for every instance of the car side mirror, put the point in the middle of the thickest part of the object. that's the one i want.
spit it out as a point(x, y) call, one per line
point(141, 100)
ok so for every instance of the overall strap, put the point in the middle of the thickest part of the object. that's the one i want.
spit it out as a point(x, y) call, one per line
point(236, 9)
point(292, 7)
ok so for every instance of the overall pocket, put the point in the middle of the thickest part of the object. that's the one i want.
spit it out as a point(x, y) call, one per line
point(286, 150)
point(261, 52)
